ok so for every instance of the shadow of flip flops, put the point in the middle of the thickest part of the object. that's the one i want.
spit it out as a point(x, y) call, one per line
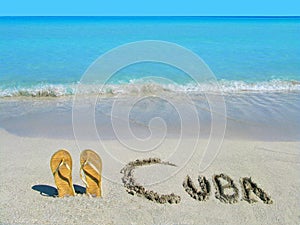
point(45, 190)
point(49, 191)
point(79, 189)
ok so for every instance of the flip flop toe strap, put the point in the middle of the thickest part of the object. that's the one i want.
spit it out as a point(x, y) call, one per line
point(83, 172)
point(62, 162)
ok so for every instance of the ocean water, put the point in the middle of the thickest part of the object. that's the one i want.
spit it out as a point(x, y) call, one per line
point(50, 54)
point(255, 62)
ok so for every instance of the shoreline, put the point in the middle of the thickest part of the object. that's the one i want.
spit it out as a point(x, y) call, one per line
point(273, 166)
point(140, 86)
point(264, 117)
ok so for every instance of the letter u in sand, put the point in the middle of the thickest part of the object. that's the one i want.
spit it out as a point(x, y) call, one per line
point(61, 167)
point(90, 172)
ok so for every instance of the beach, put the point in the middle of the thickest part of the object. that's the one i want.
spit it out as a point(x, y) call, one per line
point(274, 166)
point(195, 119)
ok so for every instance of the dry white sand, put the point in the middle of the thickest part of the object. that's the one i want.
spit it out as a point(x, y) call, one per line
point(273, 166)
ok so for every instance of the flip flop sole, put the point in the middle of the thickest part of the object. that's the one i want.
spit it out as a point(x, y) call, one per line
point(61, 167)
point(90, 172)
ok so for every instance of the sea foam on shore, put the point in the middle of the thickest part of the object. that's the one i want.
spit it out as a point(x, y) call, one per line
point(135, 86)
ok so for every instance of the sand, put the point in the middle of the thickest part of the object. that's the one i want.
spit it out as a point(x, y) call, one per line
point(26, 180)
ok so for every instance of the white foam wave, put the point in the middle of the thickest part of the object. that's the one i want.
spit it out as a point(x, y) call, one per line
point(136, 87)
point(46, 90)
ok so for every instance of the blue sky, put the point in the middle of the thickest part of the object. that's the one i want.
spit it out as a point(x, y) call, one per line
point(152, 7)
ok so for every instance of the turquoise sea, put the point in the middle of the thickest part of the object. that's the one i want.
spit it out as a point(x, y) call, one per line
point(256, 61)
point(42, 53)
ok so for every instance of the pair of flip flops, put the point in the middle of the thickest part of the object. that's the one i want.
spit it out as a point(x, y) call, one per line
point(90, 172)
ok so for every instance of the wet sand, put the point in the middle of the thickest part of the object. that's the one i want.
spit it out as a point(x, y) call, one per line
point(28, 189)
point(249, 116)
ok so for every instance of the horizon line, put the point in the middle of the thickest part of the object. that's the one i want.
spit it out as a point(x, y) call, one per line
point(220, 16)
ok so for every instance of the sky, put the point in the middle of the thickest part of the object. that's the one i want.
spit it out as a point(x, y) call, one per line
point(149, 8)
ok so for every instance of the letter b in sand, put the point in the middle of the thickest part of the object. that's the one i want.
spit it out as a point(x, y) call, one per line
point(226, 190)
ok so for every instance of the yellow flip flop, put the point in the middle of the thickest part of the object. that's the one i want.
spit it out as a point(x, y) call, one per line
point(90, 172)
point(61, 167)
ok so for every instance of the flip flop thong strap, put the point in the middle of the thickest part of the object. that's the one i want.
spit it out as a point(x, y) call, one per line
point(62, 162)
point(82, 172)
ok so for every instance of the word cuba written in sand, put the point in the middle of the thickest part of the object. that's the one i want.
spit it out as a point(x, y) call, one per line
point(223, 185)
